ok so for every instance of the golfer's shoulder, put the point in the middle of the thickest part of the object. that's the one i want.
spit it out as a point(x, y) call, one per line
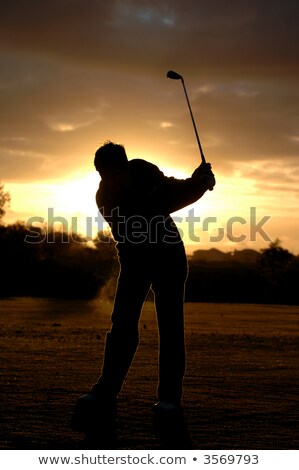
point(138, 165)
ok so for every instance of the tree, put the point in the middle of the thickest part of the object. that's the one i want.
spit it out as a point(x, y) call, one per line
point(4, 201)
point(275, 262)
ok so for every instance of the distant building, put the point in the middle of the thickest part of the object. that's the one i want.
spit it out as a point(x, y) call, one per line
point(210, 255)
point(213, 255)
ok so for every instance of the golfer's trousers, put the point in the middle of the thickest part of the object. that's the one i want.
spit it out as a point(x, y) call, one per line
point(165, 272)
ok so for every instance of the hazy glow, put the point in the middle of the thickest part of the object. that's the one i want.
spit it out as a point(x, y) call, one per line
point(62, 127)
point(75, 198)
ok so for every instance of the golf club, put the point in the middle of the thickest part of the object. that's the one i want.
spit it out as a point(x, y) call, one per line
point(176, 76)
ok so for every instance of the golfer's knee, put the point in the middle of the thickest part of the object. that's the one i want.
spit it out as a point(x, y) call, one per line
point(125, 329)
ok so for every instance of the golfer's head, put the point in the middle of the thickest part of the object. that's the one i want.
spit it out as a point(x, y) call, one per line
point(110, 159)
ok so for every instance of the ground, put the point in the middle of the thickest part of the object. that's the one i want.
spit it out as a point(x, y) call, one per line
point(241, 386)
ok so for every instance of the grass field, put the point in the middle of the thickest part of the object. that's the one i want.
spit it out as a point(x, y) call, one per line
point(241, 386)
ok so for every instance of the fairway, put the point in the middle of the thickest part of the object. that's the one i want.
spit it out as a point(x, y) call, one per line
point(241, 385)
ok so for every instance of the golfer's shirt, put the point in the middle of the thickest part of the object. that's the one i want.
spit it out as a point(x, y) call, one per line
point(138, 212)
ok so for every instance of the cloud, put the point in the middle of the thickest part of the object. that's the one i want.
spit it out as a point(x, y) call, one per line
point(47, 109)
point(62, 126)
point(207, 88)
point(72, 120)
point(254, 123)
point(151, 13)
point(198, 36)
point(277, 176)
point(166, 125)
point(19, 164)
point(247, 93)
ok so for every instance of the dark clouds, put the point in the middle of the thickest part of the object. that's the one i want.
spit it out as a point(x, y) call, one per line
point(74, 72)
point(232, 36)
point(253, 118)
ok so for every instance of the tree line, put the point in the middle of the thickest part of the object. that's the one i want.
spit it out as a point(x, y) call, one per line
point(64, 266)
point(58, 265)
point(273, 277)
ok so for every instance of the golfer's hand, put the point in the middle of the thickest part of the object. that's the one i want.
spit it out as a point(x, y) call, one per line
point(204, 175)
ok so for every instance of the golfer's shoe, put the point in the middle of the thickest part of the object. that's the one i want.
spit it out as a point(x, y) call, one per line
point(169, 426)
point(94, 415)
point(166, 406)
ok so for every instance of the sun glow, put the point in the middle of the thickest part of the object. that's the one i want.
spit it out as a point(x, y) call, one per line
point(72, 199)
point(70, 203)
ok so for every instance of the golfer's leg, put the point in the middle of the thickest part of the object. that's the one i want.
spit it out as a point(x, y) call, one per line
point(123, 338)
point(169, 289)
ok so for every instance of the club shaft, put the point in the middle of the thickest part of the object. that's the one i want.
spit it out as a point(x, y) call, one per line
point(194, 125)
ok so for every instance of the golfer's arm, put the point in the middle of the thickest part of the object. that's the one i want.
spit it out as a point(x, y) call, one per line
point(173, 194)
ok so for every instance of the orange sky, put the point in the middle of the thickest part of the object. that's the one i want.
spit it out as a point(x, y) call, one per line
point(75, 73)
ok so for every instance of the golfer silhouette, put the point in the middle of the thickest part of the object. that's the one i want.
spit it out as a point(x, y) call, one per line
point(136, 199)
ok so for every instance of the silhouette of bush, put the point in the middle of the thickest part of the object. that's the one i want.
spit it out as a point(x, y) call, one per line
point(4, 201)
point(222, 282)
point(279, 272)
point(272, 278)
point(55, 265)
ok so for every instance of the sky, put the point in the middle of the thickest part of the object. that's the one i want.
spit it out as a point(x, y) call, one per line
point(75, 73)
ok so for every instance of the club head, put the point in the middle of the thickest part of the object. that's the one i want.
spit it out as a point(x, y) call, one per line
point(173, 75)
